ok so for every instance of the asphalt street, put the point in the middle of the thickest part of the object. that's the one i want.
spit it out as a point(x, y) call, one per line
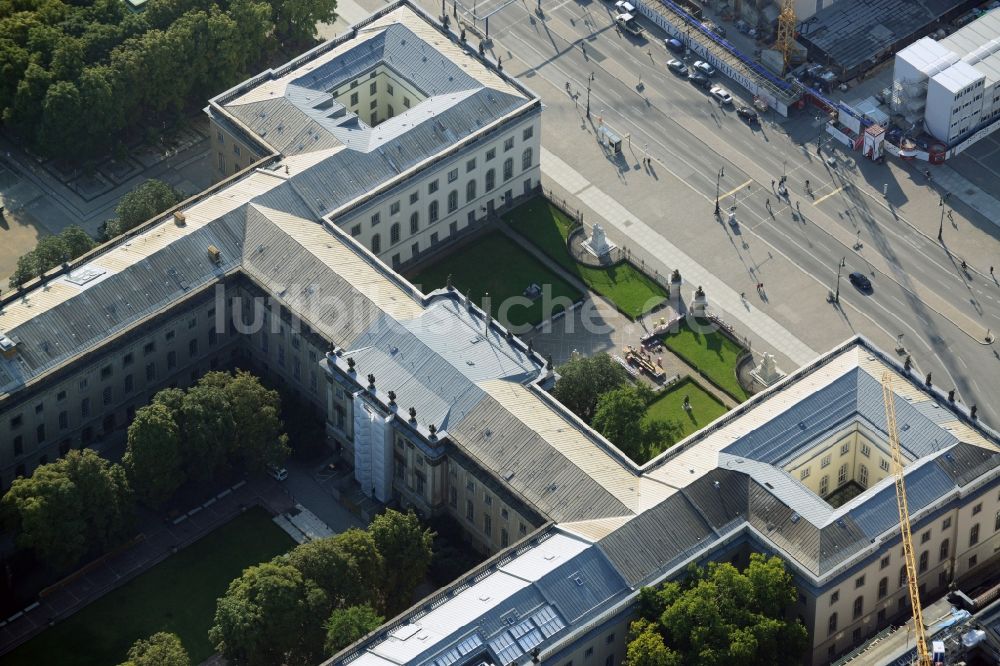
point(920, 289)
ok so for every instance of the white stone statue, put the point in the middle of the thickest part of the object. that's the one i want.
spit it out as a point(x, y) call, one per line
point(598, 243)
point(767, 371)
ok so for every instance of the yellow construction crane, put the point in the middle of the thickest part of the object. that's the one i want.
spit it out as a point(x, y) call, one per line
point(923, 655)
point(785, 42)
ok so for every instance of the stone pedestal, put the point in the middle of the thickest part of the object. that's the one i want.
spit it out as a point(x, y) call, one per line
point(767, 372)
point(699, 303)
point(675, 286)
point(598, 243)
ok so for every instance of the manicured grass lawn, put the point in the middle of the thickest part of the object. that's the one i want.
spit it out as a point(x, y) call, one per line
point(178, 595)
point(633, 292)
point(498, 265)
point(712, 353)
point(669, 406)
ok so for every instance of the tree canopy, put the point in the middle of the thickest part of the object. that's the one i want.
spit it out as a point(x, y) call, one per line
point(347, 625)
point(80, 78)
point(143, 203)
point(51, 251)
point(152, 458)
point(407, 549)
point(719, 616)
point(620, 417)
point(270, 615)
point(582, 381)
point(69, 507)
point(160, 649)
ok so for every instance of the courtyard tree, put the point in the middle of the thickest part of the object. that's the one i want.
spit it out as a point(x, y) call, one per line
point(347, 625)
point(406, 547)
point(152, 458)
point(144, 202)
point(720, 615)
point(346, 566)
point(620, 418)
point(160, 649)
point(295, 20)
point(208, 430)
point(50, 252)
point(646, 647)
point(256, 414)
point(582, 380)
point(69, 507)
point(270, 615)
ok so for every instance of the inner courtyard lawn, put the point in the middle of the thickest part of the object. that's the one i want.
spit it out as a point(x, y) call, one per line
point(178, 595)
point(669, 406)
point(494, 263)
point(548, 227)
point(712, 353)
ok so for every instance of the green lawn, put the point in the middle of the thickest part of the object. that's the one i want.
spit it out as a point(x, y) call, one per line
point(496, 264)
point(177, 595)
point(668, 406)
point(548, 227)
point(711, 353)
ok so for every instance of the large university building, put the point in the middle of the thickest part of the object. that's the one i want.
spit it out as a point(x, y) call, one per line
point(387, 144)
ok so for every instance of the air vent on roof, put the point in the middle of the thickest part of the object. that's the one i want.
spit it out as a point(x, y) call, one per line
point(214, 254)
point(7, 345)
point(769, 485)
point(794, 518)
point(180, 219)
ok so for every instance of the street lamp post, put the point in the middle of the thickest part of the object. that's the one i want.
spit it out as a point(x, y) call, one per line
point(722, 172)
point(836, 296)
point(589, 79)
point(941, 204)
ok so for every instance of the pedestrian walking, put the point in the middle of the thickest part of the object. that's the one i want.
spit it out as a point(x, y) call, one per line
point(743, 295)
point(768, 203)
point(991, 268)
point(772, 183)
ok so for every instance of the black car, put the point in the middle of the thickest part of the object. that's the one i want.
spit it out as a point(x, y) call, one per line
point(861, 282)
point(674, 45)
point(700, 80)
point(748, 114)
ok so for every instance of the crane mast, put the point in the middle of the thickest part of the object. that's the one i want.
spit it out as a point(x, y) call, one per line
point(923, 655)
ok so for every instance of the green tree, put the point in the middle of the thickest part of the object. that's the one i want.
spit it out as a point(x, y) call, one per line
point(723, 616)
point(256, 414)
point(57, 130)
point(584, 379)
point(406, 548)
point(347, 625)
point(346, 566)
point(160, 649)
point(27, 268)
point(77, 241)
point(620, 417)
point(152, 458)
point(208, 430)
point(295, 20)
point(269, 615)
point(69, 507)
point(141, 204)
point(50, 252)
point(646, 647)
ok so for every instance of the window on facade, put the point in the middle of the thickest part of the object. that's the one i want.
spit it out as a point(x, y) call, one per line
point(432, 212)
point(824, 485)
point(470, 191)
point(470, 510)
point(884, 562)
point(863, 475)
point(394, 234)
point(925, 537)
point(884, 465)
point(831, 624)
point(522, 529)
point(825, 462)
point(974, 535)
point(63, 420)
point(859, 607)
point(977, 508)
point(866, 450)
point(406, 102)
point(834, 597)
point(527, 133)
point(453, 175)
point(414, 197)
point(453, 497)
point(491, 180)
point(526, 159)
point(944, 550)
point(376, 219)
point(414, 223)
point(372, 87)
point(491, 154)
point(946, 523)
point(842, 475)
point(107, 395)
point(508, 169)
point(902, 576)
point(504, 539)
point(105, 372)
point(845, 448)
point(453, 200)
point(376, 244)
point(883, 587)
point(354, 99)
point(192, 348)
point(15, 421)
point(394, 208)
point(804, 473)
point(85, 407)
point(470, 165)
point(973, 561)
point(488, 526)
point(61, 396)
point(508, 144)
point(924, 559)
point(859, 582)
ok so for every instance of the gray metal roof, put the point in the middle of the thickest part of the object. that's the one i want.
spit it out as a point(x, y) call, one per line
point(853, 31)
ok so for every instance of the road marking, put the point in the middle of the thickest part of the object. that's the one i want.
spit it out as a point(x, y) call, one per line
point(734, 191)
point(827, 196)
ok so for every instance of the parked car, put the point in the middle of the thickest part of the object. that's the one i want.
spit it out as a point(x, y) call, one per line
point(721, 94)
point(677, 67)
point(704, 68)
point(674, 45)
point(748, 114)
point(700, 80)
point(860, 281)
point(277, 473)
point(625, 7)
